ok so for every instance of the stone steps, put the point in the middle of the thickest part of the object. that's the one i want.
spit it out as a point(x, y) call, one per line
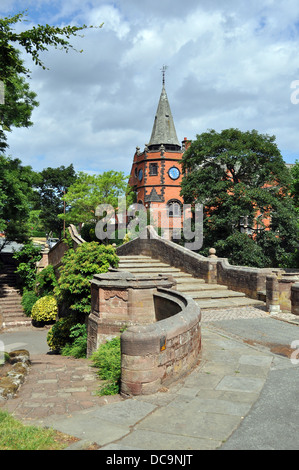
point(10, 301)
point(215, 294)
point(208, 296)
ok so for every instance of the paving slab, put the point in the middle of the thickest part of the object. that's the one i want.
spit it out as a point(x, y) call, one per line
point(142, 439)
point(273, 421)
point(89, 428)
point(240, 384)
point(128, 412)
point(242, 395)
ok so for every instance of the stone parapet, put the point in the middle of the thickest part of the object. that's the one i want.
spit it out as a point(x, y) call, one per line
point(282, 291)
point(250, 281)
point(159, 354)
point(214, 270)
point(162, 337)
point(150, 244)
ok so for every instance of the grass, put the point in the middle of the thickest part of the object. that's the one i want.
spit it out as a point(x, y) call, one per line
point(16, 436)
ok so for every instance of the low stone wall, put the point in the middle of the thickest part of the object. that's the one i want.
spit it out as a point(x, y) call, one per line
point(150, 244)
point(278, 287)
point(55, 254)
point(283, 292)
point(251, 281)
point(159, 354)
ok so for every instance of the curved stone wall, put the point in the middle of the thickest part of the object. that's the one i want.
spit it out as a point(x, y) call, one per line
point(159, 354)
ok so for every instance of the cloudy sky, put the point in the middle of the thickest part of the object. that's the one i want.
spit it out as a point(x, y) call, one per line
point(230, 64)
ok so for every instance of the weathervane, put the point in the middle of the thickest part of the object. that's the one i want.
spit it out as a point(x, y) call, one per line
point(164, 68)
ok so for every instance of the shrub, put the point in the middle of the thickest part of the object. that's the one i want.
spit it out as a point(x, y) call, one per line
point(59, 334)
point(27, 258)
point(78, 268)
point(45, 309)
point(45, 281)
point(29, 298)
point(78, 345)
point(108, 360)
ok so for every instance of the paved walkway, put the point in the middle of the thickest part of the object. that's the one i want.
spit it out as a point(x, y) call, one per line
point(209, 409)
point(56, 385)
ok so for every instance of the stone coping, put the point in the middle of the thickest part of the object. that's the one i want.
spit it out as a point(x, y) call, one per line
point(123, 279)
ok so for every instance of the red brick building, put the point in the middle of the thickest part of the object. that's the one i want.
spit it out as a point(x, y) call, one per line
point(156, 172)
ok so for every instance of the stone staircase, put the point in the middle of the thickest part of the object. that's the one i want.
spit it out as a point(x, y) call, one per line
point(208, 296)
point(11, 309)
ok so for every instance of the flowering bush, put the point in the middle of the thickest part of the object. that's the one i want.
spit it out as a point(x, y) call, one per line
point(45, 309)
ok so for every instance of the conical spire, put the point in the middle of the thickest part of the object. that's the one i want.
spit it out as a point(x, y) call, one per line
point(163, 130)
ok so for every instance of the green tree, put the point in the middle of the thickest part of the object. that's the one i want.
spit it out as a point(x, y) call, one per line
point(16, 199)
point(241, 177)
point(89, 191)
point(17, 109)
point(26, 258)
point(19, 100)
point(295, 195)
point(52, 186)
point(295, 183)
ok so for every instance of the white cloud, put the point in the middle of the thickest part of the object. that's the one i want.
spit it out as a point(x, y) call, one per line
point(112, 19)
point(231, 64)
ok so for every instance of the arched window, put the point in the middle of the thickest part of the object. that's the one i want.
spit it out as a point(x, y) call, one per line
point(174, 208)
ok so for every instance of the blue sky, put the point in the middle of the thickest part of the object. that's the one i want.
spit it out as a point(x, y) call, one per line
point(230, 64)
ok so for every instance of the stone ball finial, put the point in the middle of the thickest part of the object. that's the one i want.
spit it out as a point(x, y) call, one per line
point(212, 253)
